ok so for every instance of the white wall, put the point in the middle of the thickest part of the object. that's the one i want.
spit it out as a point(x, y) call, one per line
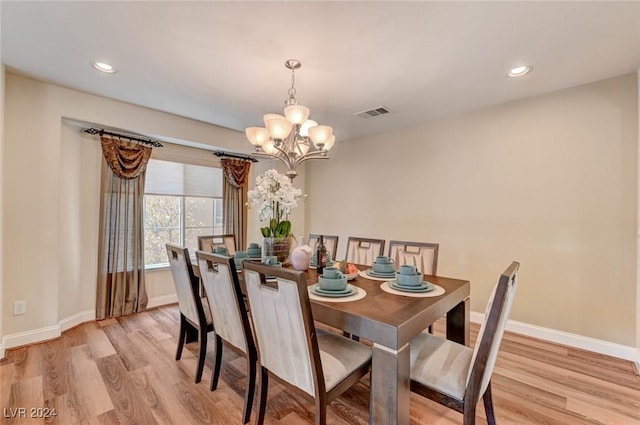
point(50, 206)
point(550, 181)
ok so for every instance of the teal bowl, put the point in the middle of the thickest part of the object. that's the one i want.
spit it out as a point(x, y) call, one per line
point(332, 284)
point(409, 280)
point(384, 267)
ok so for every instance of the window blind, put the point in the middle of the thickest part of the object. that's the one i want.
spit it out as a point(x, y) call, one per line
point(174, 178)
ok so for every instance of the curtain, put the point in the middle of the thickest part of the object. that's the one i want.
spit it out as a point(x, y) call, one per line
point(121, 287)
point(234, 198)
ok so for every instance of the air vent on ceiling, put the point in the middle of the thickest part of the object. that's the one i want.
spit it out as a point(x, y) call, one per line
point(374, 112)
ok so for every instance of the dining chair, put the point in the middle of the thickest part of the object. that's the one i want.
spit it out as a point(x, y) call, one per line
point(318, 365)
point(194, 311)
point(330, 242)
point(457, 376)
point(209, 243)
point(230, 319)
point(363, 250)
point(422, 255)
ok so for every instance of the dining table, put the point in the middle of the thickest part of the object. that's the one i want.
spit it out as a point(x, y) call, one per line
point(390, 321)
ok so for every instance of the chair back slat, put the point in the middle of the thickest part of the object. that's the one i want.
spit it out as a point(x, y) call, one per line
point(364, 250)
point(330, 242)
point(210, 242)
point(422, 255)
point(280, 326)
point(221, 286)
point(186, 283)
point(491, 331)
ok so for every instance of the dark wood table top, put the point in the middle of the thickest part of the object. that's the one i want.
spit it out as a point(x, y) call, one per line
point(405, 316)
point(389, 319)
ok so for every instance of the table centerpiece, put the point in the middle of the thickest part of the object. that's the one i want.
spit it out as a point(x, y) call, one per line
point(276, 198)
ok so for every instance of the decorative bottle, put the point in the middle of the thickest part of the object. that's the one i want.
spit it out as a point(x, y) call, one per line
point(321, 255)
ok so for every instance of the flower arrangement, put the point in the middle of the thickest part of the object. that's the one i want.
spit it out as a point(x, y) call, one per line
point(277, 198)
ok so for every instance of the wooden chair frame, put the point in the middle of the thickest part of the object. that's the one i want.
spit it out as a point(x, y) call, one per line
point(360, 241)
point(322, 397)
point(316, 236)
point(186, 324)
point(226, 240)
point(472, 393)
point(407, 244)
point(212, 261)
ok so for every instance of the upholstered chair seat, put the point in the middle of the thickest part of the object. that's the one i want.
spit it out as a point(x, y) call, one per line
point(455, 375)
point(340, 357)
point(440, 364)
point(317, 365)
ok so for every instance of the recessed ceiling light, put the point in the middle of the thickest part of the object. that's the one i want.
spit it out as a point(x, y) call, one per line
point(103, 67)
point(519, 71)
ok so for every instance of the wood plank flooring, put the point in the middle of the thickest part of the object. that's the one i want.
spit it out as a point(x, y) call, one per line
point(122, 371)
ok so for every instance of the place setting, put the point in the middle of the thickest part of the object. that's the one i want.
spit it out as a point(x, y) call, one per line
point(271, 260)
point(254, 251)
point(383, 269)
point(238, 259)
point(410, 282)
point(332, 286)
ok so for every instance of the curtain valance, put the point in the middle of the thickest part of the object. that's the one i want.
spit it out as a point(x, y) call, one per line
point(126, 159)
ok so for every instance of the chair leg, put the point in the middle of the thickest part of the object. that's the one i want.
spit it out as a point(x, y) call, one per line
point(202, 353)
point(469, 414)
point(262, 400)
point(251, 386)
point(215, 375)
point(321, 410)
point(488, 406)
point(182, 334)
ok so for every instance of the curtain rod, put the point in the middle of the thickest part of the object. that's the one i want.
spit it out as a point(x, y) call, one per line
point(232, 155)
point(102, 132)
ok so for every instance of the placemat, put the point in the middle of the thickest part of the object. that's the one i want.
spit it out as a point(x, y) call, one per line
point(439, 290)
point(355, 297)
point(363, 273)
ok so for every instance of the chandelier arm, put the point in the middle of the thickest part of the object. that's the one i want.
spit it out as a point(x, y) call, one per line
point(285, 156)
point(295, 148)
point(311, 155)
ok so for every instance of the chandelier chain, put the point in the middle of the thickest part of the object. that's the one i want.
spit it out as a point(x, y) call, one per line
point(292, 90)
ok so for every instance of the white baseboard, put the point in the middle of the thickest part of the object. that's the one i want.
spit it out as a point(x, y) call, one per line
point(30, 337)
point(163, 300)
point(572, 340)
point(76, 319)
point(547, 334)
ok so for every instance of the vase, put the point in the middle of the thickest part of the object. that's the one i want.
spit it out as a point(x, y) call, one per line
point(300, 259)
point(279, 247)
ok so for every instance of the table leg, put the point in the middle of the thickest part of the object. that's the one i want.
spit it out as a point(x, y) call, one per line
point(390, 397)
point(458, 328)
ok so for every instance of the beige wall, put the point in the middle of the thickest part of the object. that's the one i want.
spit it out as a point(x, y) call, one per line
point(638, 261)
point(550, 181)
point(2, 73)
point(50, 175)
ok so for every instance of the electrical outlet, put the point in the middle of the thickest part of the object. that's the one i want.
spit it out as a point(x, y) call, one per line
point(19, 307)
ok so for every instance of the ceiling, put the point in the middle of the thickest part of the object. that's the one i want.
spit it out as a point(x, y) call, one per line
point(223, 62)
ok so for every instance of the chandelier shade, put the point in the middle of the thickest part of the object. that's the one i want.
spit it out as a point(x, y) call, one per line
point(292, 138)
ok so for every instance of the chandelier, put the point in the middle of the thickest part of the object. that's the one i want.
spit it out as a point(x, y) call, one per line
point(292, 138)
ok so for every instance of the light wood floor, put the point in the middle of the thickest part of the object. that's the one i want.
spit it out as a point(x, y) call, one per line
point(123, 371)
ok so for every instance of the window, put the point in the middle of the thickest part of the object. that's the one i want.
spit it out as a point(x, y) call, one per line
point(182, 202)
